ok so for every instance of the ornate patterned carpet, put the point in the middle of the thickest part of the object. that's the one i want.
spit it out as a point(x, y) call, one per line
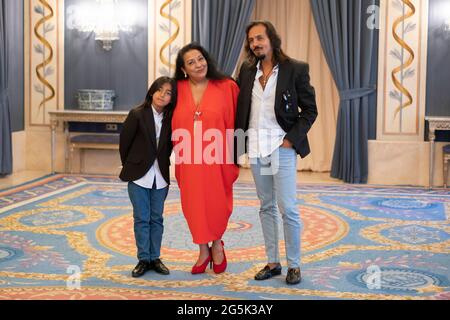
point(71, 237)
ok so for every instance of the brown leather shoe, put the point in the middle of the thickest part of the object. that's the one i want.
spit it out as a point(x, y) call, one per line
point(159, 267)
point(294, 276)
point(267, 273)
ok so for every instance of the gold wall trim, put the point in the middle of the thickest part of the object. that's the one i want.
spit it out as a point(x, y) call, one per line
point(40, 68)
point(43, 69)
point(410, 60)
point(169, 29)
point(402, 70)
point(172, 38)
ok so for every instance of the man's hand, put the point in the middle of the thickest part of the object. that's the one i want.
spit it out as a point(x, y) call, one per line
point(287, 144)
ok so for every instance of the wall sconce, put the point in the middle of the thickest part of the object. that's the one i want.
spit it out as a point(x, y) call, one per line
point(103, 17)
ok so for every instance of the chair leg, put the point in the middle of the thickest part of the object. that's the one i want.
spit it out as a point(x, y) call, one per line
point(70, 160)
point(82, 161)
point(446, 161)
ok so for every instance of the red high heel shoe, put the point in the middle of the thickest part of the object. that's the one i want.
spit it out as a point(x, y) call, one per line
point(219, 268)
point(201, 268)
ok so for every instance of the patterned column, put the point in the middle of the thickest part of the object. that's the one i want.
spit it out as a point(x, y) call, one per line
point(44, 64)
point(169, 30)
point(402, 70)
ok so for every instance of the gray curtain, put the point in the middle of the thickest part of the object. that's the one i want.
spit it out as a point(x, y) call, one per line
point(219, 26)
point(351, 50)
point(5, 119)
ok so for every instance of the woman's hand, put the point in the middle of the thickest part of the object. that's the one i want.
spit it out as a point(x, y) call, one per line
point(286, 144)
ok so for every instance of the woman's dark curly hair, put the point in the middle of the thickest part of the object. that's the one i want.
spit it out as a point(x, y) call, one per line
point(213, 71)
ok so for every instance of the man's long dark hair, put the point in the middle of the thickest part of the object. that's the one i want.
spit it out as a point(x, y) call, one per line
point(156, 85)
point(275, 42)
point(213, 71)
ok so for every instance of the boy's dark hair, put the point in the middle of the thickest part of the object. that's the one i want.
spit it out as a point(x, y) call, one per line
point(156, 85)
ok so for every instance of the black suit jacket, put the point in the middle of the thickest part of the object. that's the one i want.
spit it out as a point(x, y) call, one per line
point(293, 92)
point(138, 150)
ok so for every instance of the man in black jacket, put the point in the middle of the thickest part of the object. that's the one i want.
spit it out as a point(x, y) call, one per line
point(273, 87)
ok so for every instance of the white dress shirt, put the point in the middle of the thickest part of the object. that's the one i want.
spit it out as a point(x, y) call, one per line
point(147, 180)
point(265, 134)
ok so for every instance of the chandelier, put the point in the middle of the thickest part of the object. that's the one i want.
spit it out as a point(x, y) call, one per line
point(105, 18)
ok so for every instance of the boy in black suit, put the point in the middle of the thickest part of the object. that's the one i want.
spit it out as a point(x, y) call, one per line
point(145, 148)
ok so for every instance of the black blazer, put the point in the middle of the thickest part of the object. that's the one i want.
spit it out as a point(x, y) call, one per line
point(137, 146)
point(293, 91)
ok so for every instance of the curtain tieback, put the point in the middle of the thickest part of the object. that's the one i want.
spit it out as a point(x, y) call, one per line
point(356, 93)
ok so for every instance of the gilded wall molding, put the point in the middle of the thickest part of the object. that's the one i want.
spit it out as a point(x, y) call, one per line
point(43, 59)
point(402, 69)
point(169, 30)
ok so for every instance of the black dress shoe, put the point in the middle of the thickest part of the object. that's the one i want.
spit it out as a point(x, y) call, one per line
point(159, 267)
point(141, 268)
point(294, 276)
point(267, 273)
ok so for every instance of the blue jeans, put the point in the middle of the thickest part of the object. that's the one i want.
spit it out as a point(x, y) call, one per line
point(148, 207)
point(275, 180)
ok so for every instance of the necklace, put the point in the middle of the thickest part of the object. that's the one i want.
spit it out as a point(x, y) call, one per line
point(197, 115)
point(266, 78)
point(197, 112)
point(197, 119)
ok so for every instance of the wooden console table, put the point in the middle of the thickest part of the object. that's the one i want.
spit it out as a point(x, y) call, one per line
point(66, 116)
point(435, 123)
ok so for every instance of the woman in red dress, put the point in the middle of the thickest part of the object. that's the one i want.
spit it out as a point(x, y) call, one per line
point(203, 127)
